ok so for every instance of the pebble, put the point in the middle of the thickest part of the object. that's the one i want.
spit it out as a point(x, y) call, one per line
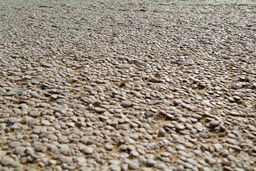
point(126, 104)
point(87, 150)
point(115, 167)
point(34, 113)
point(109, 146)
point(161, 166)
point(45, 123)
point(179, 126)
point(134, 153)
point(66, 160)
point(61, 109)
point(99, 110)
point(8, 161)
point(150, 163)
point(81, 161)
point(154, 102)
point(133, 165)
point(213, 123)
point(14, 144)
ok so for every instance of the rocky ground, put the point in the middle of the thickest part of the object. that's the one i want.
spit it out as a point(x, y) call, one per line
point(127, 85)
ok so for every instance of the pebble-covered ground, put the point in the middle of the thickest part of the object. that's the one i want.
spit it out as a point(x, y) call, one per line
point(118, 85)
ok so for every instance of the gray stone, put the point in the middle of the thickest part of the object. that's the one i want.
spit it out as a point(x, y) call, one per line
point(161, 166)
point(61, 109)
point(46, 122)
point(150, 162)
point(99, 110)
point(133, 165)
point(126, 103)
point(81, 161)
point(115, 167)
point(179, 126)
point(154, 102)
point(108, 146)
point(213, 123)
point(34, 113)
point(8, 161)
point(66, 160)
point(14, 144)
point(87, 150)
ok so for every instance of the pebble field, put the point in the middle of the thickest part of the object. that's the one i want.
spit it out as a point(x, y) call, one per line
point(120, 85)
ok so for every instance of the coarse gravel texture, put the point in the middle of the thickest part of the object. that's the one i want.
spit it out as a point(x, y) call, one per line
point(127, 85)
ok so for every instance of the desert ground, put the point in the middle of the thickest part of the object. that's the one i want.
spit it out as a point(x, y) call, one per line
point(119, 85)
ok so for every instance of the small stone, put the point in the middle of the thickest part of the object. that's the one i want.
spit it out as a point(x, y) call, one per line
point(161, 166)
point(124, 66)
point(133, 165)
point(150, 163)
point(70, 124)
point(61, 109)
point(218, 147)
point(108, 146)
point(179, 126)
point(99, 109)
point(45, 122)
point(34, 113)
point(63, 139)
point(187, 62)
point(154, 102)
point(40, 148)
point(134, 153)
point(126, 103)
point(213, 123)
point(81, 161)
point(46, 64)
point(115, 167)
point(14, 144)
point(65, 159)
point(232, 141)
point(14, 120)
point(20, 150)
point(87, 150)
point(10, 162)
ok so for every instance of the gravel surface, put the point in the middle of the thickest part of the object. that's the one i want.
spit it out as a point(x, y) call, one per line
point(127, 85)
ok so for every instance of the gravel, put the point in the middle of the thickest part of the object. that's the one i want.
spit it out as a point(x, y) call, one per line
point(127, 85)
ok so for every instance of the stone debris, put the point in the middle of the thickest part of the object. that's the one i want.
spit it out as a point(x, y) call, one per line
point(127, 85)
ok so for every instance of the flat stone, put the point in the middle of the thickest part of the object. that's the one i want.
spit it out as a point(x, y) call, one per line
point(126, 103)
point(161, 166)
point(124, 66)
point(154, 102)
point(109, 146)
point(115, 167)
point(81, 161)
point(99, 109)
point(63, 139)
point(179, 126)
point(65, 159)
point(14, 120)
point(150, 163)
point(134, 153)
point(34, 113)
point(213, 123)
point(46, 64)
point(61, 109)
point(133, 165)
point(8, 161)
point(87, 150)
point(45, 122)
point(14, 144)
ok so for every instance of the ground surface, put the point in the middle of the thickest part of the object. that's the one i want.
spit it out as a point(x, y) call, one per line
point(127, 85)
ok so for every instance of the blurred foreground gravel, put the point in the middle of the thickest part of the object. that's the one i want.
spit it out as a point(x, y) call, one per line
point(127, 85)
